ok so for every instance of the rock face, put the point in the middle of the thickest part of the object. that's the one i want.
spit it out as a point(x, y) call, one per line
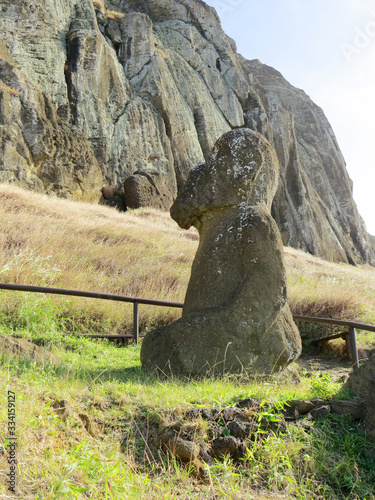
point(145, 190)
point(362, 383)
point(38, 150)
point(235, 316)
point(147, 92)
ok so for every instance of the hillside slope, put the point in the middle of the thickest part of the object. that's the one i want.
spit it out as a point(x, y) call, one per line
point(93, 95)
point(59, 243)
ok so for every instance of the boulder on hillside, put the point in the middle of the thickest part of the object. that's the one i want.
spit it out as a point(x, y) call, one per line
point(144, 190)
point(362, 383)
point(112, 197)
point(236, 317)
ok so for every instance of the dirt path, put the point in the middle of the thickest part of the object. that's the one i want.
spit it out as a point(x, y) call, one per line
point(339, 368)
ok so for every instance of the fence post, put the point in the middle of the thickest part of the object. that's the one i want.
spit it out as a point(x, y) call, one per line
point(136, 322)
point(351, 344)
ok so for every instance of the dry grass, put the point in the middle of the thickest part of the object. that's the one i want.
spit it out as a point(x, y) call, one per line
point(53, 242)
point(327, 289)
point(114, 15)
point(99, 4)
point(109, 14)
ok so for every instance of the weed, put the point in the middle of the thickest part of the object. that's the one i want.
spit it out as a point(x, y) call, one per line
point(323, 386)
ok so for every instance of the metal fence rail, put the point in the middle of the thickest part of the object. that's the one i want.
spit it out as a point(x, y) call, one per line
point(349, 336)
point(103, 296)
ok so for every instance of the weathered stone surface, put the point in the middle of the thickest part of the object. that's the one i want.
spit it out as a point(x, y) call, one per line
point(291, 413)
point(90, 425)
point(320, 411)
point(181, 448)
point(362, 383)
point(241, 429)
point(250, 404)
point(37, 149)
point(224, 446)
point(303, 406)
point(314, 206)
point(165, 82)
point(145, 190)
point(352, 409)
point(235, 316)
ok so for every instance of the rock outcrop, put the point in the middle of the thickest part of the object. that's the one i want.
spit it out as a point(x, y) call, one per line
point(235, 317)
point(362, 383)
point(146, 88)
point(38, 150)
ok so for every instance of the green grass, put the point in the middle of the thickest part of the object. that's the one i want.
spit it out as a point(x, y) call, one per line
point(57, 458)
point(57, 243)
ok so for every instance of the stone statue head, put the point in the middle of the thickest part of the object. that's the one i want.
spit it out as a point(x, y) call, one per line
point(242, 170)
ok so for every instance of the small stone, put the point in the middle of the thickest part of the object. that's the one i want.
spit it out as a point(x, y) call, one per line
point(185, 450)
point(229, 414)
point(242, 430)
point(90, 425)
point(223, 446)
point(303, 406)
point(291, 413)
point(214, 430)
point(181, 448)
point(318, 401)
point(249, 404)
point(320, 411)
point(207, 413)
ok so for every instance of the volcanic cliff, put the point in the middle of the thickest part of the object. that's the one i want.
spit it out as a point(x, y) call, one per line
point(97, 93)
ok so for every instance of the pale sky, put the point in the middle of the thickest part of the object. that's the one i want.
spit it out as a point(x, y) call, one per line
point(326, 48)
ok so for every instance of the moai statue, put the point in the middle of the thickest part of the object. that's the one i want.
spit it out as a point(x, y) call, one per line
point(235, 317)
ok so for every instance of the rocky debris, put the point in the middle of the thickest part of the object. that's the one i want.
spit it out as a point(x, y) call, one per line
point(250, 404)
point(235, 315)
point(90, 425)
point(225, 446)
point(181, 448)
point(207, 434)
point(242, 430)
point(320, 411)
point(301, 406)
point(291, 412)
point(362, 383)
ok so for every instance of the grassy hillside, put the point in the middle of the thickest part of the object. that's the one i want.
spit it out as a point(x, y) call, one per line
point(85, 418)
point(53, 242)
